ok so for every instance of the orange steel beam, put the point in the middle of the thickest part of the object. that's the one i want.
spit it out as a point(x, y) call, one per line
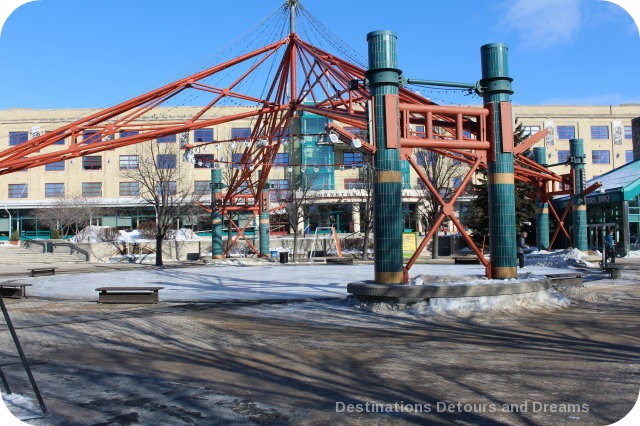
point(560, 223)
point(530, 141)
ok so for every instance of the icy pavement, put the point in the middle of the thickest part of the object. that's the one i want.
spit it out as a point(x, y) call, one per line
point(231, 282)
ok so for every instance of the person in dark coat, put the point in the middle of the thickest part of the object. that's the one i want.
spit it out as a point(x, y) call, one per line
point(521, 244)
point(610, 248)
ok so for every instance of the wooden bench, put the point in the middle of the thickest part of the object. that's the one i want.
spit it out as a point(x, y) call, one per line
point(14, 290)
point(129, 294)
point(42, 271)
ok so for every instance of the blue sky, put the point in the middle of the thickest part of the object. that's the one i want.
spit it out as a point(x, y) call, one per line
point(96, 53)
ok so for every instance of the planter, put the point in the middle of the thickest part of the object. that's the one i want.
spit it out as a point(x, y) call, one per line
point(15, 243)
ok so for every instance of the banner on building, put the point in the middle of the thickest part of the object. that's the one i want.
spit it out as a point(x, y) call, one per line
point(550, 139)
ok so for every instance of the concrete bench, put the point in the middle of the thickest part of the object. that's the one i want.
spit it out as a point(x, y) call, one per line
point(567, 279)
point(613, 271)
point(14, 290)
point(129, 294)
point(466, 260)
point(42, 271)
point(339, 260)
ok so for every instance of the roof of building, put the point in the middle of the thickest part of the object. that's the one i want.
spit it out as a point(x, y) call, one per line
point(625, 178)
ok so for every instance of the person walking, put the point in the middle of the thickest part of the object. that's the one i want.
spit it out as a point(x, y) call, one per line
point(521, 244)
point(610, 248)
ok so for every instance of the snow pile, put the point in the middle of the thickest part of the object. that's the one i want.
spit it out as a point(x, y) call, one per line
point(558, 259)
point(633, 255)
point(21, 407)
point(462, 307)
point(131, 237)
point(90, 234)
point(183, 234)
point(95, 234)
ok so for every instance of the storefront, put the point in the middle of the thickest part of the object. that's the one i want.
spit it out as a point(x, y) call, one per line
point(614, 206)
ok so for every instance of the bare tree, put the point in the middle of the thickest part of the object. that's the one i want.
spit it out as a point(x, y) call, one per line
point(444, 173)
point(295, 197)
point(69, 214)
point(362, 196)
point(161, 183)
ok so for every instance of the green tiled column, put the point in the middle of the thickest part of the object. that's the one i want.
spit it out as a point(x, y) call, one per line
point(578, 205)
point(216, 217)
point(384, 78)
point(542, 209)
point(502, 212)
point(264, 224)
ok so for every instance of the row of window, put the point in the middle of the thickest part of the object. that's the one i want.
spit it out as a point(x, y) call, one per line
point(90, 136)
point(94, 189)
point(569, 132)
point(598, 156)
point(169, 161)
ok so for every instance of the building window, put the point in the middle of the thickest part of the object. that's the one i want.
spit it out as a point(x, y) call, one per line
point(628, 133)
point(599, 132)
point(168, 188)
point(282, 134)
point(204, 161)
point(235, 159)
point(129, 162)
point(92, 189)
point(92, 162)
point(566, 132)
point(203, 135)
point(279, 184)
point(126, 133)
point(167, 139)
point(59, 141)
point(628, 156)
point(240, 133)
point(167, 161)
point(202, 187)
point(129, 189)
point(456, 182)
point(600, 156)
point(18, 138)
point(529, 130)
point(91, 136)
point(57, 166)
point(282, 159)
point(18, 190)
point(563, 156)
point(419, 131)
point(54, 189)
point(353, 159)
point(353, 184)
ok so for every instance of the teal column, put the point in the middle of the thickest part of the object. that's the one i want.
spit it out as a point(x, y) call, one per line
point(264, 223)
point(496, 85)
point(578, 205)
point(542, 209)
point(216, 217)
point(384, 79)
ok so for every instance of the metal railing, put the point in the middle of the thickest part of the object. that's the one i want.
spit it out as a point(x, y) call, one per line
point(72, 248)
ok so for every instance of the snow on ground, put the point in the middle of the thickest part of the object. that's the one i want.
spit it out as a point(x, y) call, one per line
point(558, 258)
point(237, 279)
point(93, 234)
point(20, 407)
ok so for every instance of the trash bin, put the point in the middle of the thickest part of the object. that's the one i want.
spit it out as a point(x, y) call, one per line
point(274, 253)
point(284, 257)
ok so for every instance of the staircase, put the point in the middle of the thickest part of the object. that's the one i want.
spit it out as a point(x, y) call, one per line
point(16, 255)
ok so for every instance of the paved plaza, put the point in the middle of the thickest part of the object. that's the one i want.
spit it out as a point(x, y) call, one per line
point(307, 355)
